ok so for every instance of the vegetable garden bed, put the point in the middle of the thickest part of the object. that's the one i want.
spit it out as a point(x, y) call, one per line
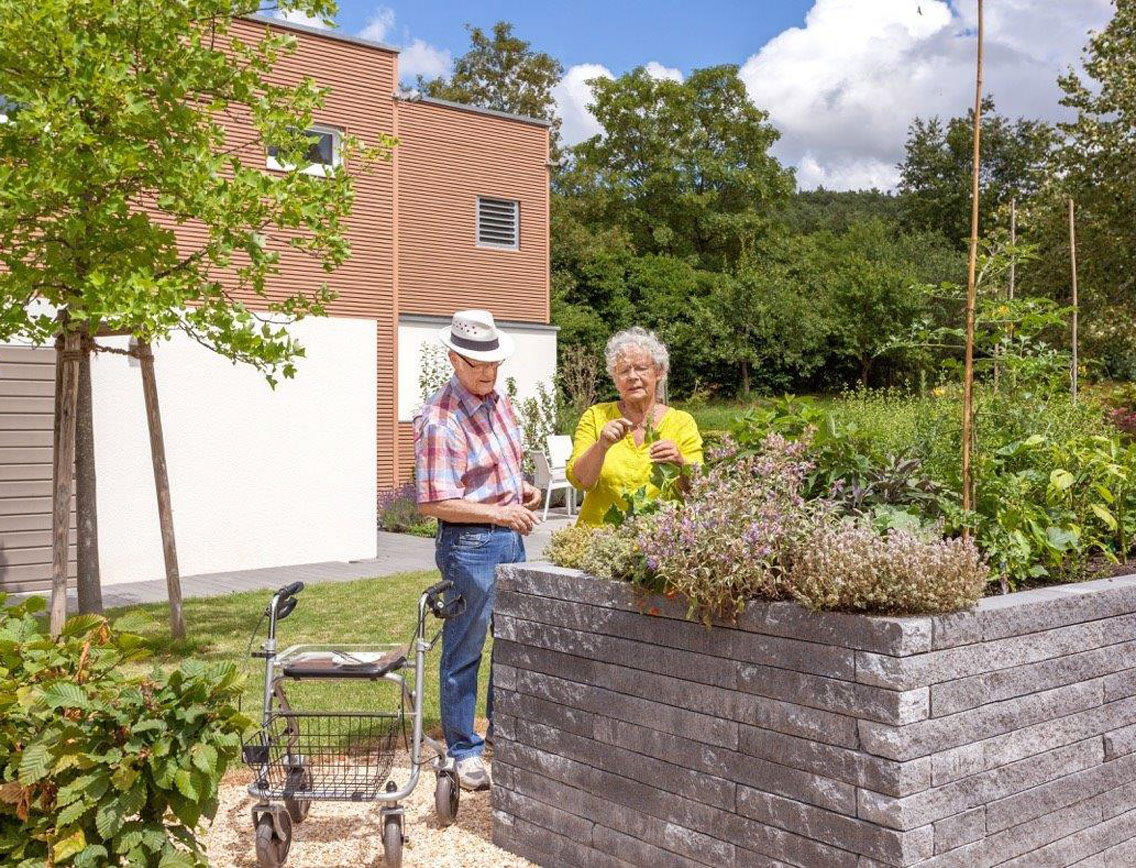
point(1005, 734)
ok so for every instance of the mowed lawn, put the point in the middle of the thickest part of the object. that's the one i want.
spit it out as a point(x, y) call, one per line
point(363, 612)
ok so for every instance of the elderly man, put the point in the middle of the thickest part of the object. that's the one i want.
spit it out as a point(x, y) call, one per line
point(468, 452)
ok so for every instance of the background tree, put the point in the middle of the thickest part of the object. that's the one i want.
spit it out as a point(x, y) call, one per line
point(935, 172)
point(504, 73)
point(114, 137)
point(684, 167)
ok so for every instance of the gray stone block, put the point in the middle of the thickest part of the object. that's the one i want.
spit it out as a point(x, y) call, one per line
point(656, 772)
point(897, 673)
point(1121, 854)
point(637, 852)
point(843, 697)
point(727, 764)
point(896, 636)
point(1120, 685)
point(1120, 800)
point(1081, 845)
point(545, 816)
point(887, 845)
point(543, 847)
point(799, 720)
point(1044, 609)
point(1120, 742)
point(960, 829)
point(958, 628)
point(773, 842)
point(956, 763)
point(504, 725)
point(504, 677)
point(1055, 795)
point(1049, 734)
point(951, 697)
point(668, 718)
point(502, 776)
point(942, 733)
point(1026, 837)
point(852, 766)
point(558, 714)
point(985, 788)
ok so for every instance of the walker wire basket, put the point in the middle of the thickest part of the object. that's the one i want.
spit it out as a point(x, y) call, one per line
point(325, 755)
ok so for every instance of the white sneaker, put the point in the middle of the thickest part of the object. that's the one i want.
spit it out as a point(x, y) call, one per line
point(473, 774)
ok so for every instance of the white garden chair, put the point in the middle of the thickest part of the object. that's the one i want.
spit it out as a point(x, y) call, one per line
point(551, 479)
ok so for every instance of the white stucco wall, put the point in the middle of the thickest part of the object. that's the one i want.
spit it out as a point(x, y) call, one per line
point(534, 361)
point(258, 477)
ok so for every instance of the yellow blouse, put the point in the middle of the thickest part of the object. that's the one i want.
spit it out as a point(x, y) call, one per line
point(627, 466)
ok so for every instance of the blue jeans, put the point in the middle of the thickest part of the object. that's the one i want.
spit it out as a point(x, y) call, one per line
point(468, 556)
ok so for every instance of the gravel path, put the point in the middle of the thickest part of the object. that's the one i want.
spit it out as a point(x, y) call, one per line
point(339, 834)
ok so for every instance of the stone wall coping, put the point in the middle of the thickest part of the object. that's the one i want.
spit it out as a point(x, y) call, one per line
point(992, 618)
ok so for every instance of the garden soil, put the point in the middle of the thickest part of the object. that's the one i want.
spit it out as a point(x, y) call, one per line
point(342, 834)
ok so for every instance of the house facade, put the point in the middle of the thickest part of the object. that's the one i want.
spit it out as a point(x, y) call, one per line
point(261, 477)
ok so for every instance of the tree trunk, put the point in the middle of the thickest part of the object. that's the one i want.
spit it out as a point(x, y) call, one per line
point(745, 378)
point(971, 290)
point(86, 505)
point(865, 370)
point(162, 488)
point(66, 394)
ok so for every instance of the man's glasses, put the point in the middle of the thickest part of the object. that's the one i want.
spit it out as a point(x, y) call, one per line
point(479, 366)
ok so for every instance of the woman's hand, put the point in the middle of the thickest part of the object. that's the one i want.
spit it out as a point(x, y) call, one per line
point(666, 452)
point(614, 431)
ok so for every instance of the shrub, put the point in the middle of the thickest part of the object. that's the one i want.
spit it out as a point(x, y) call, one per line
point(726, 544)
point(615, 554)
point(851, 568)
point(567, 547)
point(97, 767)
point(398, 512)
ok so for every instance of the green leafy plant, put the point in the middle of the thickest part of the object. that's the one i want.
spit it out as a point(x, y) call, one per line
point(97, 767)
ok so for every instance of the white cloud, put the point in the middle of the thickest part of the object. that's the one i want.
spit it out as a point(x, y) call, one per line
point(379, 24)
point(294, 16)
point(421, 58)
point(658, 71)
point(417, 57)
point(844, 88)
point(573, 94)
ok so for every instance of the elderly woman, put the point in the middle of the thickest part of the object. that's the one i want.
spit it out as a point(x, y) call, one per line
point(610, 455)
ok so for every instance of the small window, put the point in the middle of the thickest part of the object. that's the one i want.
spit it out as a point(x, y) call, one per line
point(498, 223)
point(323, 152)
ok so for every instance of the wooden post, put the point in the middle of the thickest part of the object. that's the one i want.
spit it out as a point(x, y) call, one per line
point(66, 394)
point(89, 583)
point(971, 291)
point(162, 487)
point(1013, 243)
point(1073, 266)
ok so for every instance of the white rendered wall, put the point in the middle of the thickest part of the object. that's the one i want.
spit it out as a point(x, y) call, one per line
point(258, 478)
point(533, 362)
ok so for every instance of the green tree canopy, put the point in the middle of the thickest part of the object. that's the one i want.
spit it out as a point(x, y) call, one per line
point(504, 73)
point(684, 167)
point(128, 118)
point(935, 175)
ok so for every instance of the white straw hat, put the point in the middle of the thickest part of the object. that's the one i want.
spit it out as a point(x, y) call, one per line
point(473, 334)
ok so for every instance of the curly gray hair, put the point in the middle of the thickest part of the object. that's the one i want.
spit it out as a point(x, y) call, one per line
point(638, 338)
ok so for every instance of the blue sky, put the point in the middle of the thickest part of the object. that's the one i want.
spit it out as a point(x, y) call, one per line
point(842, 80)
point(620, 34)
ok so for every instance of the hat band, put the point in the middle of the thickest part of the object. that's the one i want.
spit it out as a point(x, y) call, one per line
point(467, 344)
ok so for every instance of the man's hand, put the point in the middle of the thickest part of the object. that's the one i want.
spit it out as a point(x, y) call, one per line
point(666, 452)
point(517, 517)
point(614, 431)
point(532, 496)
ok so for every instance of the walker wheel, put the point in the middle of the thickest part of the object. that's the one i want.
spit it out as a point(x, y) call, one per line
point(392, 841)
point(299, 778)
point(447, 794)
point(271, 851)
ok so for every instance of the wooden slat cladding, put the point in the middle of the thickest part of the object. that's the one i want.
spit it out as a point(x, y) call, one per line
point(27, 383)
point(447, 158)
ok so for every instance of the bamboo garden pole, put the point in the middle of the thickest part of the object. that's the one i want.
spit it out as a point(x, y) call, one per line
point(1073, 267)
point(1013, 243)
point(971, 290)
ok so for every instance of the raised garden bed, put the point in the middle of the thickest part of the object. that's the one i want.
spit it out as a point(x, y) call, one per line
point(1002, 735)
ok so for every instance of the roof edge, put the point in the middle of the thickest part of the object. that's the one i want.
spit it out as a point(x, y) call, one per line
point(434, 319)
point(475, 109)
point(273, 21)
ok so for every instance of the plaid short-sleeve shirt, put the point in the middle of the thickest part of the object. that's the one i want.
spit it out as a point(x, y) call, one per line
point(467, 447)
